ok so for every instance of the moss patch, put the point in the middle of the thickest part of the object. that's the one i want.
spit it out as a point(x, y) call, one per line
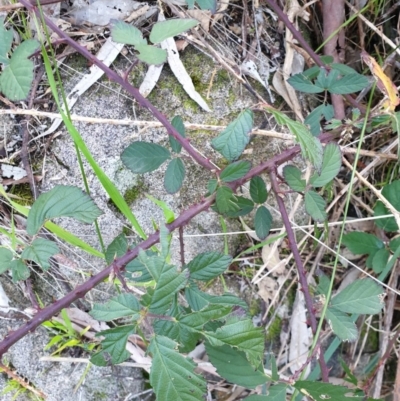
point(23, 194)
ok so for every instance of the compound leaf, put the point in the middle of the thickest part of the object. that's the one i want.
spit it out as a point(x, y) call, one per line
point(258, 190)
point(172, 375)
point(275, 393)
point(349, 84)
point(293, 178)
point(174, 176)
point(226, 200)
point(301, 83)
point(40, 251)
point(122, 305)
point(361, 243)
point(235, 171)
point(244, 206)
point(315, 206)
point(6, 256)
point(143, 157)
point(331, 163)
point(121, 32)
point(232, 141)
point(262, 222)
point(178, 124)
point(169, 28)
point(61, 201)
point(226, 360)
point(205, 266)
point(361, 297)
point(341, 324)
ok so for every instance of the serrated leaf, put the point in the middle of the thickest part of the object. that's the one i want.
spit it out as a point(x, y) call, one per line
point(6, 256)
point(153, 263)
point(362, 297)
point(226, 200)
point(311, 147)
point(262, 222)
point(242, 335)
point(343, 69)
point(315, 206)
point(117, 248)
point(205, 266)
point(258, 190)
point(169, 28)
point(232, 141)
point(325, 79)
point(331, 163)
point(341, 324)
point(61, 201)
point(16, 78)
point(349, 84)
point(312, 72)
point(143, 157)
point(361, 243)
point(172, 375)
point(293, 178)
point(275, 393)
point(19, 270)
point(212, 186)
point(6, 37)
point(113, 346)
point(392, 193)
point(301, 83)
point(178, 124)
point(235, 171)
point(244, 205)
point(319, 391)
point(40, 251)
point(207, 5)
point(227, 360)
point(174, 176)
point(168, 213)
point(314, 118)
point(137, 271)
point(151, 54)
point(122, 305)
point(121, 32)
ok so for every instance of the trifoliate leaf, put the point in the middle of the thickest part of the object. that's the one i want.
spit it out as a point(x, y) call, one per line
point(325, 79)
point(235, 171)
point(232, 141)
point(169, 28)
point(120, 306)
point(61, 201)
point(258, 190)
point(245, 206)
point(293, 178)
point(315, 206)
point(205, 266)
point(301, 83)
point(331, 163)
point(143, 157)
point(341, 324)
point(174, 176)
point(361, 297)
point(349, 84)
point(40, 251)
point(226, 200)
point(262, 222)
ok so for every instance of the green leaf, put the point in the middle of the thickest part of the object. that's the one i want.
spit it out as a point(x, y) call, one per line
point(16, 78)
point(314, 118)
point(331, 164)
point(206, 5)
point(178, 124)
point(341, 324)
point(113, 345)
point(172, 376)
point(312, 72)
point(212, 185)
point(174, 176)
point(122, 305)
point(117, 248)
point(362, 297)
point(151, 54)
point(205, 266)
point(61, 201)
point(121, 32)
point(6, 38)
point(168, 213)
point(226, 200)
point(392, 193)
point(311, 147)
point(235, 171)
point(262, 222)
point(275, 393)
point(343, 69)
point(6, 256)
point(394, 244)
point(258, 190)
point(325, 79)
point(349, 84)
point(319, 391)
point(315, 206)
point(137, 271)
point(227, 360)
point(301, 83)
point(165, 242)
point(361, 243)
point(143, 157)
point(232, 141)
point(19, 270)
point(245, 206)
point(40, 251)
point(293, 178)
point(169, 28)
point(242, 335)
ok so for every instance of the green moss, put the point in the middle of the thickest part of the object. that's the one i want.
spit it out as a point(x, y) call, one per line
point(274, 329)
point(24, 194)
point(254, 308)
point(133, 193)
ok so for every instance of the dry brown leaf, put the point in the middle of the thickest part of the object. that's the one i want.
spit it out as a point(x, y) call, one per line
point(267, 288)
point(272, 261)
